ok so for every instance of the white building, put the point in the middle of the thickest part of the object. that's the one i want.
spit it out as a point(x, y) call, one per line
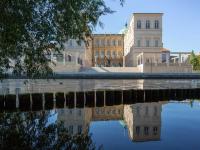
point(143, 45)
point(74, 57)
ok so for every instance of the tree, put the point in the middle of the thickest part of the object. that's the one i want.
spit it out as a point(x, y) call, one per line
point(29, 131)
point(30, 29)
point(195, 61)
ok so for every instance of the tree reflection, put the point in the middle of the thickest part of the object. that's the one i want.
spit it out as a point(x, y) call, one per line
point(26, 131)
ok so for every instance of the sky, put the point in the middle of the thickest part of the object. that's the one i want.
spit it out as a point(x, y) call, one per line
point(181, 20)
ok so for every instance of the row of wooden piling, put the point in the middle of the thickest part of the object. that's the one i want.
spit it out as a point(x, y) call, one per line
point(46, 101)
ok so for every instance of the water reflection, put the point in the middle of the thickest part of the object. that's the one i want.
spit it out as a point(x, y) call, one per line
point(143, 120)
point(35, 130)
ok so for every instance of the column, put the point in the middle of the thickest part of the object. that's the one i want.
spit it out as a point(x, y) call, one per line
point(65, 100)
point(104, 98)
point(95, 99)
point(167, 58)
point(122, 98)
point(84, 99)
point(31, 101)
point(54, 100)
point(74, 99)
point(17, 97)
point(43, 101)
point(179, 58)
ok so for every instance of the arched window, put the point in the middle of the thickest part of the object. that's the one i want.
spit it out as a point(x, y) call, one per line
point(139, 24)
point(69, 58)
point(156, 24)
point(148, 24)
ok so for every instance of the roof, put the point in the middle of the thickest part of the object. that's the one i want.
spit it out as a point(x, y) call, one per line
point(165, 50)
point(148, 13)
point(107, 34)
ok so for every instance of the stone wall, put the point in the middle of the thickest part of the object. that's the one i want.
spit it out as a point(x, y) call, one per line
point(165, 68)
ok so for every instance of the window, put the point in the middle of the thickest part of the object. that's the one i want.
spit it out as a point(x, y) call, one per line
point(155, 130)
point(119, 42)
point(146, 130)
point(119, 53)
point(102, 54)
point(108, 42)
point(156, 43)
point(138, 109)
point(97, 42)
point(114, 43)
point(147, 43)
point(148, 24)
point(156, 24)
point(102, 42)
point(79, 129)
point(155, 111)
point(79, 61)
point(71, 129)
point(137, 130)
point(138, 43)
point(96, 53)
point(114, 54)
point(108, 53)
point(59, 58)
point(147, 110)
point(69, 58)
point(139, 25)
point(79, 113)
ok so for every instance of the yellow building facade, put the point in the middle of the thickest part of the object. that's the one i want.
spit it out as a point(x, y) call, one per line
point(107, 50)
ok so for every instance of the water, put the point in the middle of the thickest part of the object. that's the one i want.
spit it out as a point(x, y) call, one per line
point(105, 121)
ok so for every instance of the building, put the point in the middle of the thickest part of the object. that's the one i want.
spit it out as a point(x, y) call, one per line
point(76, 56)
point(144, 35)
point(143, 46)
point(143, 121)
point(107, 50)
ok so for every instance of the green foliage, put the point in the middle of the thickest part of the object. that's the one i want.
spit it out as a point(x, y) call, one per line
point(29, 131)
point(195, 61)
point(30, 29)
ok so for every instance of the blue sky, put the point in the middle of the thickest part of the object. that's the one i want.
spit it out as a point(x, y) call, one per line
point(181, 20)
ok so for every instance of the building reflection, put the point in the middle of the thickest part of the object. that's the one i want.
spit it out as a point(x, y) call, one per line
point(143, 120)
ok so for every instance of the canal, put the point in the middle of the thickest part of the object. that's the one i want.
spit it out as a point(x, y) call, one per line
point(100, 114)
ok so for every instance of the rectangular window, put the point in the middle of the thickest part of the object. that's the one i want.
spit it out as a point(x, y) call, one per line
point(59, 58)
point(113, 42)
point(108, 42)
point(119, 42)
point(139, 24)
point(97, 42)
point(148, 24)
point(108, 53)
point(156, 24)
point(146, 130)
point(96, 53)
point(137, 130)
point(147, 43)
point(119, 53)
point(156, 43)
point(71, 129)
point(138, 43)
point(79, 129)
point(114, 54)
point(102, 42)
point(102, 54)
point(155, 130)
